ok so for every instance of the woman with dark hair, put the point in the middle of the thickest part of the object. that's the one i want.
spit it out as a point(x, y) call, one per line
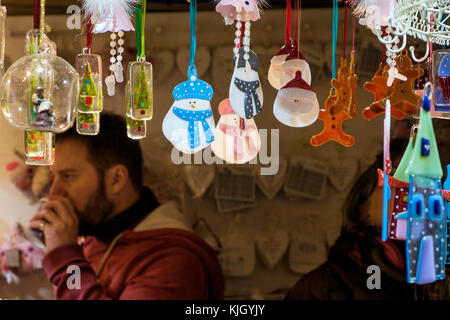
point(345, 273)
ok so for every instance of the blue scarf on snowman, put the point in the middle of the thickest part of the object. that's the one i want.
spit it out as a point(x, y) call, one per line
point(195, 89)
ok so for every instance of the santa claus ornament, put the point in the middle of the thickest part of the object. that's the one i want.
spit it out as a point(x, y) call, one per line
point(237, 139)
point(189, 124)
point(274, 73)
point(296, 104)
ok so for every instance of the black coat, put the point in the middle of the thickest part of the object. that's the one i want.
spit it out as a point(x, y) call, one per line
point(344, 275)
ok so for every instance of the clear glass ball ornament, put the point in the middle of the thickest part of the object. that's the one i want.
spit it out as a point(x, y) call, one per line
point(40, 92)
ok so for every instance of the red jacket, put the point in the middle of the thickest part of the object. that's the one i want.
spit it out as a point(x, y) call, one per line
point(160, 259)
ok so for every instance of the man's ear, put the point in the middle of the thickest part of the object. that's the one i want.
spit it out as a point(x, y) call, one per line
point(116, 178)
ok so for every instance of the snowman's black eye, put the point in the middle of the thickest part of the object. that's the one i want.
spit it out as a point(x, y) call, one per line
point(246, 2)
point(194, 102)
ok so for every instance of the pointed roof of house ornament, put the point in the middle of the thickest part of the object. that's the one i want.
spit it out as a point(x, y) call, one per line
point(400, 173)
point(425, 159)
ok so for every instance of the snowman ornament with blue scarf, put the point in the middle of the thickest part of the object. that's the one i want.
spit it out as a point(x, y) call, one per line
point(189, 124)
point(246, 95)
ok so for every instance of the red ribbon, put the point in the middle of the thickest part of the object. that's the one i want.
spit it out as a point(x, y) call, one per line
point(37, 14)
point(89, 28)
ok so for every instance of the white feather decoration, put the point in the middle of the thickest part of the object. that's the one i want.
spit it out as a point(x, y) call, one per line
point(99, 7)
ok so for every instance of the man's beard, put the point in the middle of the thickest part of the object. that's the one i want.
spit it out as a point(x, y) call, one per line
point(96, 211)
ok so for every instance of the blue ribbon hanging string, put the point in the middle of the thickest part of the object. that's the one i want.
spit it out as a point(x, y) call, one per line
point(334, 39)
point(193, 20)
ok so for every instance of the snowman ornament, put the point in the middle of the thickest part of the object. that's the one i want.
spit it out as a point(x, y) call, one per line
point(236, 139)
point(189, 124)
point(246, 95)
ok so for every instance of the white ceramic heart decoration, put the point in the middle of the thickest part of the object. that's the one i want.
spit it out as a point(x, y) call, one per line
point(238, 256)
point(342, 173)
point(272, 247)
point(198, 178)
point(202, 60)
point(163, 64)
point(270, 185)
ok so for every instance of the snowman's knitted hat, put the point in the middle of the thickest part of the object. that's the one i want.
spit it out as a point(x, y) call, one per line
point(193, 89)
point(225, 107)
point(253, 60)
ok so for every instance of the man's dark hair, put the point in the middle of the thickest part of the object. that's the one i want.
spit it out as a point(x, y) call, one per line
point(110, 147)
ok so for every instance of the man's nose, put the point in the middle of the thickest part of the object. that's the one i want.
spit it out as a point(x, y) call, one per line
point(56, 188)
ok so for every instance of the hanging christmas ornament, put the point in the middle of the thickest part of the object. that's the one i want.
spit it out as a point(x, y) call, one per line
point(2, 37)
point(39, 92)
point(89, 68)
point(237, 139)
point(246, 95)
point(39, 145)
point(274, 73)
point(447, 211)
point(387, 169)
point(189, 124)
point(136, 129)
point(426, 231)
point(441, 80)
point(296, 104)
point(112, 16)
point(295, 61)
point(140, 74)
point(232, 9)
point(340, 105)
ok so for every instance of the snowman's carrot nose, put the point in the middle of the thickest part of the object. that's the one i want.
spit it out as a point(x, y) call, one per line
point(192, 106)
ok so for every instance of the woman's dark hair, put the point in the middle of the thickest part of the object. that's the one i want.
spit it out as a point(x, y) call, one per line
point(365, 186)
point(111, 147)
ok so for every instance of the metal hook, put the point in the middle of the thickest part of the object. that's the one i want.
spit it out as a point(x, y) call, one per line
point(413, 56)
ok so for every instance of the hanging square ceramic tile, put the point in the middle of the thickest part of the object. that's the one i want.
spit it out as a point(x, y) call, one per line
point(306, 177)
point(238, 256)
point(198, 178)
point(272, 246)
point(271, 184)
point(343, 172)
point(236, 184)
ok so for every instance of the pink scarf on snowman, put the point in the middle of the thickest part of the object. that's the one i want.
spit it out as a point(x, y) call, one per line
point(238, 144)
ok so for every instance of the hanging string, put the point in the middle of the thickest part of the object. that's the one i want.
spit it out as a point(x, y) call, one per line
point(345, 29)
point(37, 12)
point(353, 35)
point(296, 23)
point(299, 15)
point(334, 37)
point(288, 22)
point(142, 26)
point(384, 47)
point(193, 20)
point(89, 27)
point(42, 22)
point(140, 29)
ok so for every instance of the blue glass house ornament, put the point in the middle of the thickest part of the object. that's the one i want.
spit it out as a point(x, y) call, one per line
point(447, 214)
point(426, 221)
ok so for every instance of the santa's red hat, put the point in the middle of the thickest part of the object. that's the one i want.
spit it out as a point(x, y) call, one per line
point(225, 107)
point(295, 54)
point(298, 82)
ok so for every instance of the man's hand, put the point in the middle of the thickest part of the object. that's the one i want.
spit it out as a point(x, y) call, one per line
point(60, 222)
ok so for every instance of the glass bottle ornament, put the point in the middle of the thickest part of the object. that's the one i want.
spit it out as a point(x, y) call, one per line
point(39, 148)
point(136, 129)
point(88, 123)
point(89, 68)
point(140, 90)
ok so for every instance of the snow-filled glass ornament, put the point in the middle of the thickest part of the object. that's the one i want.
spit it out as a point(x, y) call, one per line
point(89, 68)
point(296, 104)
point(141, 90)
point(40, 92)
point(88, 123)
